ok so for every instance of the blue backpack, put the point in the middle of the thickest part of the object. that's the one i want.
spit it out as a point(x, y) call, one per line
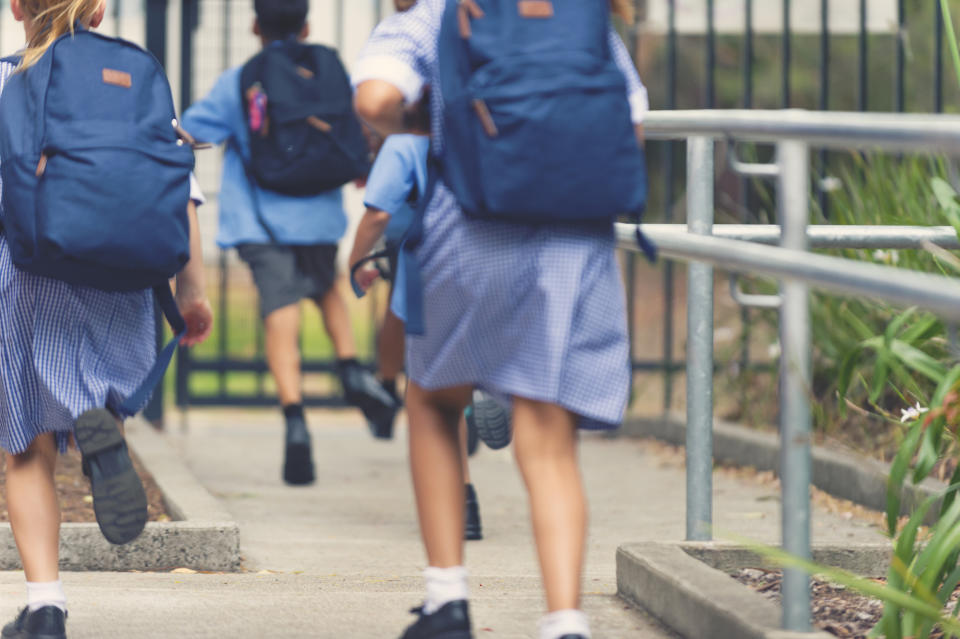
point(537, 124)
point(96, 181)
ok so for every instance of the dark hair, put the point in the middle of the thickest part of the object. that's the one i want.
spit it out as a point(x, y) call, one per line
point(280, 19)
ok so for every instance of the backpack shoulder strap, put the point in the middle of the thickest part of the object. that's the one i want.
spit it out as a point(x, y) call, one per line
point(138, 398)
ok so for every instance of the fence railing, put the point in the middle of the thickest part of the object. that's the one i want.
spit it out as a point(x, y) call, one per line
point(743, 249)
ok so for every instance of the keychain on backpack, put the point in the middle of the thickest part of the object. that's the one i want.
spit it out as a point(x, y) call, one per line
point(257, 108)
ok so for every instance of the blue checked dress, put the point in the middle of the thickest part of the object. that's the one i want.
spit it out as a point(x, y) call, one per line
point(65, 349)
point(518, 310)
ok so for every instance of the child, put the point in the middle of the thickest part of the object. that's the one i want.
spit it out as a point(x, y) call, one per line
point(64, 351)
point(293, 259)
point(399, 174)
point(533, 312)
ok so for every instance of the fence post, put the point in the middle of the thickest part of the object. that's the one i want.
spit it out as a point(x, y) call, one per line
point(699, 346)
point(795, 421)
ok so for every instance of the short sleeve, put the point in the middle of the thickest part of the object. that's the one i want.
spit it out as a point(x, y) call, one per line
point(391, 179)
point(636, 92)
point(400, 48)
point(196, 195)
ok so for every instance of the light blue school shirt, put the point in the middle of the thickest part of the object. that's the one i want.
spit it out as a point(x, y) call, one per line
point(399, 170)
point(317, 219)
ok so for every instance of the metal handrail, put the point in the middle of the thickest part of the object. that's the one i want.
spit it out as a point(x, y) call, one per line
point(826, 236)
point(824, 129)
point(836, 274)
point(793, 132)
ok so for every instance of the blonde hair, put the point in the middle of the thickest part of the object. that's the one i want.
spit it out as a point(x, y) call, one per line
point(624, 9)
point(51, 19)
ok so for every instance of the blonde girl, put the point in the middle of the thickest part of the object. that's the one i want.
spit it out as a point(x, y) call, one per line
point(65, 351)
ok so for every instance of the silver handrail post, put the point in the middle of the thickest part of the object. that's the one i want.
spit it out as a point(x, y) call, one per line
point(699, 346)
point(795, 421)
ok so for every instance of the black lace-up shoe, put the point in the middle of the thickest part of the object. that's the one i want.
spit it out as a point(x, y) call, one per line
point(573, 637)
point(383, 429)
point(119, 501)
point(361, 389)
point(298, 456)
point(48, 622)
point(472, 528)
point(452, 621)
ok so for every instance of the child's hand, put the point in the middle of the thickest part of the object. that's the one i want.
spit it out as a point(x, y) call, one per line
point(198, 314)
point(365, 277)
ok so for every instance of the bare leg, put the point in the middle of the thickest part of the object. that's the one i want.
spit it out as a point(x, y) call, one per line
point(437, 469)
point(337, 322)
point(282, 328)
point(545, 442)
point(390, 347)
point(34, 508)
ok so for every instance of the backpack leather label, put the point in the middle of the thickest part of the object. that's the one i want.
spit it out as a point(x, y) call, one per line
point(535, 8)
point(117, 78)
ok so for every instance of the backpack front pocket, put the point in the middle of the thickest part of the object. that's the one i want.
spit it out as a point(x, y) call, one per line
point(555, 144)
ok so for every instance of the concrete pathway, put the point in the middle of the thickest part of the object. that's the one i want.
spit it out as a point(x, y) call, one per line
point(342, 558)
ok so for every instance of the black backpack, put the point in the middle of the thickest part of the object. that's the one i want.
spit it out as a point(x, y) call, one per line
point(304, 136)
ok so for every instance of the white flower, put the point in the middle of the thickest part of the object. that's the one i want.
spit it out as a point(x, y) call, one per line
point(773, 351)
point(912, 413)
point(887, 257)
point(830, 183)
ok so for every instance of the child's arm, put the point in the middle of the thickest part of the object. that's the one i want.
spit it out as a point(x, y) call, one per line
point(394, 66)
point(372, 226)
point(191, 288)
point(211, 119)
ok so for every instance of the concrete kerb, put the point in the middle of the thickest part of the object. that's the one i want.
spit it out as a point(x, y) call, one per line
point(842, 474)
point(688, 588)
point(203, 536)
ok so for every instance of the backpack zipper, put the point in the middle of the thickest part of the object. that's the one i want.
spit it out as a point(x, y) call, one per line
point(467, 10)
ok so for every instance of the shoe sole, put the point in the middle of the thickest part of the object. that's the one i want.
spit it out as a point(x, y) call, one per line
point(492, 423)
point(26, 635)
point(119, 501)
point(298, 465)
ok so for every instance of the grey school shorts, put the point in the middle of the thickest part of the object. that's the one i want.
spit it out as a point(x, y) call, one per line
point(285, 274)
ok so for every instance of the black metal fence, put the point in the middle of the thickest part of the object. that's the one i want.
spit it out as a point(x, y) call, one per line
point(692, 54)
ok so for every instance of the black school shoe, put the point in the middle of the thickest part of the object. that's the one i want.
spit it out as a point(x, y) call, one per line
point(451, 621)
point(361, 389)
point(298, 453)
point(383, 428)
point(48, 622)
point(119, 501)
point(472, 529)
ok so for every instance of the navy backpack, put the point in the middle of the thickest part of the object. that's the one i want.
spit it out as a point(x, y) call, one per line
point(96, 181)
point(305, 138)
point(537, 123)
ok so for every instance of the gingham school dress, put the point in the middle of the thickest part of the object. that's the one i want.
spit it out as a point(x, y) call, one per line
point(534, 312)
point(65, 349)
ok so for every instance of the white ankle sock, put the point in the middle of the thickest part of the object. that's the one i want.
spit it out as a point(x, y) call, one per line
point(564, 622)
point(46, 593)
point(443, 586)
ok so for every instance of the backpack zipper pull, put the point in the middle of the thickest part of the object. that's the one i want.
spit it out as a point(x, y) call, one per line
point(467, 10)
point(486, 120)
point(42, 165)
